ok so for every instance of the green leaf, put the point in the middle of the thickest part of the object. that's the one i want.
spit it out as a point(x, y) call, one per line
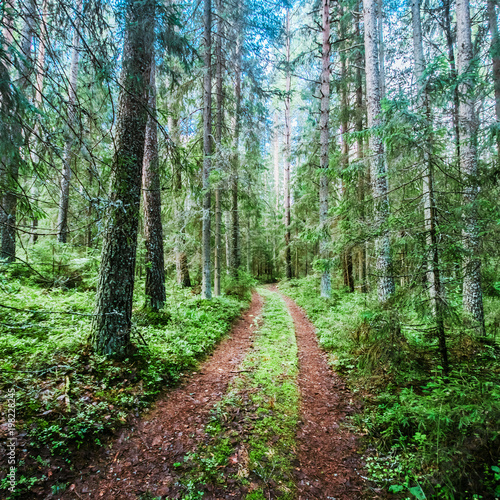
point(418, 492)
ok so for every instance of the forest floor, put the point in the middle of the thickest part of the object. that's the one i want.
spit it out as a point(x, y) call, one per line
point(263, 417)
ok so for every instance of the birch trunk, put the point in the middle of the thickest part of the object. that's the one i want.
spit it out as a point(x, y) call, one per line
point(324, 160)
point(206, 287)
point(286, 159)
point(151, 197)
point(68, 157)
point(433, 273)
point(113, 313)
point(472, 290)
point(385, 285)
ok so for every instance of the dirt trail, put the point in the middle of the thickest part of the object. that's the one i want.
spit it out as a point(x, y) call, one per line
point(327, 453)
point(141, 459)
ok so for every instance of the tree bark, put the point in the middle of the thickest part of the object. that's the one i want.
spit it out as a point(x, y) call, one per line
point(472, 290)
point(36, 146)
point(495, 57)
point(453, 70)
point(286, 159)
point(218, 144)
point(13, 160)
point(430, 222)
point(153, 231)
point(113, 313)
point(360, 111)
point(235, 223)
point(385, 285)
point(324, 160)
point(68, 158)
point(206, 287)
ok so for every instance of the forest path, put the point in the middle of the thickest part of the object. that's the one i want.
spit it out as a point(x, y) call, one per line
point(141, 460)
point(327, 451)
point(249, 422)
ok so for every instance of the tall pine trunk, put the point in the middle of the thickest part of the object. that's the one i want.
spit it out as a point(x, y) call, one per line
point(385, 284)
point(151, 196)
point(472, 290)
point(206, 287)
point(218, 144)
point(360, 111)
point(286, 159)
point(62, 218)
point(235, 223)
point(113, 313)
point(324, 160)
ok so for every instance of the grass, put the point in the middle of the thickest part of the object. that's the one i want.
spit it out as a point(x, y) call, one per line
point(435, 436)
point(251, 436)
point(65, 394)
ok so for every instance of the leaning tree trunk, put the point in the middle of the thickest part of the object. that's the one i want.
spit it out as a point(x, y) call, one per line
point(153, 232)
point(472, 290)
point(62, 218)
point(13, 160)
point(206, 287)
point(433, 274)
point(385, 285)
point(286, 159)
point(324, 160)
point(113, 313)
point(495, 56)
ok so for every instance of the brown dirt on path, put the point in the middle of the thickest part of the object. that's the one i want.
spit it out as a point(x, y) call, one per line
point(142, 457)
point(327, 451)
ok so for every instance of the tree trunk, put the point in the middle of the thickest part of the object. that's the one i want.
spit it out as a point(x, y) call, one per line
point(113, 313)
point(326, 286)
point(218, 144)
point(235, 224)
point(453, 70)
point(472, 290)
point(36, 146)
point(227, 217)
point(153, 231)
point(359, 153)
point(495, 56)
point(206, 287)
point(286, 160)
point(433, 276)
point(10, 174)
point(68, 158)
point(385, 286)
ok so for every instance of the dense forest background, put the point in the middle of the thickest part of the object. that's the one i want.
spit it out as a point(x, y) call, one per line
point(159, 159)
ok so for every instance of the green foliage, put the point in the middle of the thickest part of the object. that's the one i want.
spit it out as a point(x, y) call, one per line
point(239, 286)
point(66, 395)
point(435, 436)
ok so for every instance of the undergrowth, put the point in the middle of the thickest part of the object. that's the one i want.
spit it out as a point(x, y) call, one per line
point(427, 435)
point(65, 394)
